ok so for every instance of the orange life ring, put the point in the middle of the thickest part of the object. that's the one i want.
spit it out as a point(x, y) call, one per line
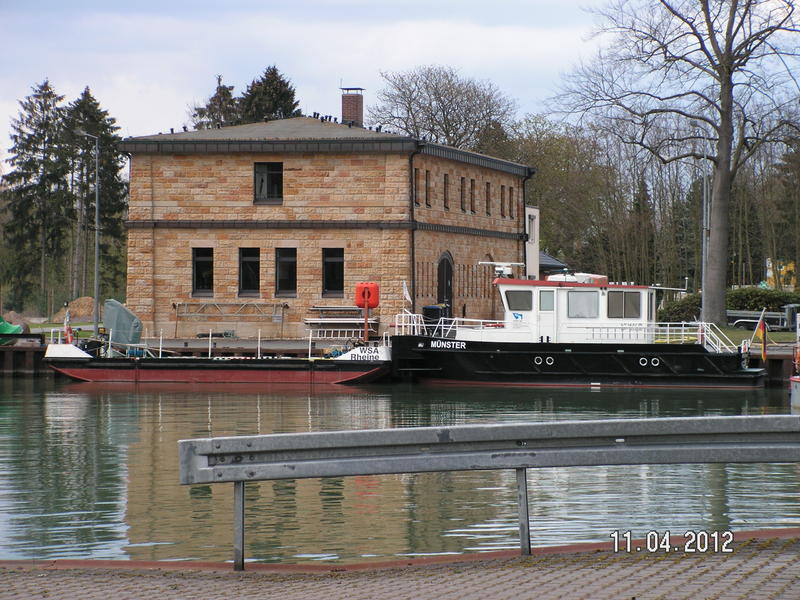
point(797, 359)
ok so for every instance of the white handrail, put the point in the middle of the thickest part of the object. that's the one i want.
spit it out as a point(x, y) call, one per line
point(706, 334)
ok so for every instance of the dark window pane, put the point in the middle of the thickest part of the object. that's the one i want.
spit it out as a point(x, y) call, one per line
point(203, 271)
point(249, 266)
point(615, 309)
point(633, 305)
point(624, 305)
point(285, 271)
point(333, 271)
point(519, 300)
point(268, 184)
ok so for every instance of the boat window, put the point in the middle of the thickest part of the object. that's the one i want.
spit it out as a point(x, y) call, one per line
point(624, 305)
point(519, 300)
point(582, 304)
point(546, 300)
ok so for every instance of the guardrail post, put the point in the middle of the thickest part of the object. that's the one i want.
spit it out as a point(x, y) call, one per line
point(524, 523)
point(238, 525)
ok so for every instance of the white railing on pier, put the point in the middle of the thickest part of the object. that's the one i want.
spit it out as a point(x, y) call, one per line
point(344, 335)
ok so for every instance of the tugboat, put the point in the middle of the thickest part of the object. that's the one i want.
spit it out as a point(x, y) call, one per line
point(570, 330)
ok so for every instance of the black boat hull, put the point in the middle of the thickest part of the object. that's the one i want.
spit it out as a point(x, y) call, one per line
point(444, 360)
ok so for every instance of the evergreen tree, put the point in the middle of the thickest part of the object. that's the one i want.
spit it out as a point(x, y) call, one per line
point(221, 109)
point(269, 97)
point(85, 114)
point(37, 200)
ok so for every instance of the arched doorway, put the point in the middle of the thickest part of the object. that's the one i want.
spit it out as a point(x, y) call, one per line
point(444, 287)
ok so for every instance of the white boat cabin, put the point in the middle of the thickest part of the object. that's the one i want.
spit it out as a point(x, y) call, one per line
point(578, 308)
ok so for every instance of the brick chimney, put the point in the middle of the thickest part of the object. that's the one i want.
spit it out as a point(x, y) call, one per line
point(353, 106)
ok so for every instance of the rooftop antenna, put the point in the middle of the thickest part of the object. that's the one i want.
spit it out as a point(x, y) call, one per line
point(503, 269)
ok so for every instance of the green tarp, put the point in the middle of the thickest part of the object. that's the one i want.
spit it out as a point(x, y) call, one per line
point(6, 327)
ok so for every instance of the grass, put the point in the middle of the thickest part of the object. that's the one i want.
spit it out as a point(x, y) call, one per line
point(737, 334)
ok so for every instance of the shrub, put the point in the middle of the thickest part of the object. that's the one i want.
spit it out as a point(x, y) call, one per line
point(750, 298)
point(753, 298)
point(684, 309)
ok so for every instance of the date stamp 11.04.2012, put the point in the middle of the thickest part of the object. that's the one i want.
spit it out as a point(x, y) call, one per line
point(690, 542)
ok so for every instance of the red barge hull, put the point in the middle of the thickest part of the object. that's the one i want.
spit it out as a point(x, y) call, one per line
point(222, 370)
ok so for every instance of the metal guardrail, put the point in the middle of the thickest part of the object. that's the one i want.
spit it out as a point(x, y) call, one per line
point(484, 447)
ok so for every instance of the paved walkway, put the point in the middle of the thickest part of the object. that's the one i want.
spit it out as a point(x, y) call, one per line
point(757, 569)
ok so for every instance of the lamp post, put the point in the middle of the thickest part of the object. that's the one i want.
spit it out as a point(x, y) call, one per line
point(96, 229)
point(706, 230)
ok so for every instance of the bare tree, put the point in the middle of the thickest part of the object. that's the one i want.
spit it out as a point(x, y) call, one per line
point(696, 79)
point(437, 104)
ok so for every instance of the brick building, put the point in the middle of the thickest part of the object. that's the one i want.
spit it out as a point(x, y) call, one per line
point(254, 227)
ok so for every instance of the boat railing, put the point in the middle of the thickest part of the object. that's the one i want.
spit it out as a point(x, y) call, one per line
point(408, 323)
point(706, 334)
point(715, 340)
point(414, 324)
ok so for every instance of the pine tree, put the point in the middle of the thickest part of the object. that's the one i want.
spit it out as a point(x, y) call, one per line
point(37, 200)
point(85, 114)
point(220, 110)
point(269, 97)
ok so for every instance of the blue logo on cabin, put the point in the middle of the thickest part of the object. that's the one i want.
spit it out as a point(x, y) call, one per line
point(517, 316)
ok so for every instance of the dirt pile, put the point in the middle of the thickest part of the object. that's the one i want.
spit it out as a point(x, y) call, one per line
point(80, 309)
point(14, 318)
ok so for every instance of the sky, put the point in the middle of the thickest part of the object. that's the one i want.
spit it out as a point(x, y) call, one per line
point(147, 62)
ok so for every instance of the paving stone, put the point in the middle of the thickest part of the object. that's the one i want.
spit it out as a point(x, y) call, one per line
point(769, 569)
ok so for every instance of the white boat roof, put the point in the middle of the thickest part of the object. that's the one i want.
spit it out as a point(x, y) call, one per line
point(503, 281)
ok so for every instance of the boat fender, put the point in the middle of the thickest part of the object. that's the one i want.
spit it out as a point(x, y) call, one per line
point(797, 359)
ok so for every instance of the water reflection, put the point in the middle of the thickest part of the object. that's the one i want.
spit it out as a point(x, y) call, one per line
point(91, 472)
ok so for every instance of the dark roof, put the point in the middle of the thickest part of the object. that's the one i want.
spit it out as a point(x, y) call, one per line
point(548, 263)
point(305, 134)
point(296, 128)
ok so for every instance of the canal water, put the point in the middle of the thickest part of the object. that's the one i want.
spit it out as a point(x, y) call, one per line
point(91, 472)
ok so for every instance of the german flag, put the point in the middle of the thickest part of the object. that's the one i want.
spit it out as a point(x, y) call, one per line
point(761, 330)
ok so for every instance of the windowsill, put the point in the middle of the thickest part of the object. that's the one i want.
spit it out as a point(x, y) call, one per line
point(249, 294)
point(333, 294)
point(270, 202)
point(203, 294)
point(286, 294)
